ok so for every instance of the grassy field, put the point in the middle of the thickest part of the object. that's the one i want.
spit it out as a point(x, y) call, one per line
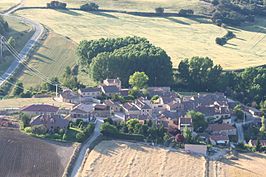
point(21, 102)
point(180, 37)
point(21, 32)
point(248, 165)
point(22, 155)
point(6, 4)
point(116, 158)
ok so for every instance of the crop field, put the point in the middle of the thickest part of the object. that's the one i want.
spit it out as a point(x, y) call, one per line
point(21, 32)
point(6, 4)
point(180, 37)
point(21, 102)
point(248, 165)
point(25, 156)
point(117, 158)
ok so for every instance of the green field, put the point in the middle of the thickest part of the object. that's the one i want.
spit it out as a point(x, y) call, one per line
point(180, 37)
point(21, 32)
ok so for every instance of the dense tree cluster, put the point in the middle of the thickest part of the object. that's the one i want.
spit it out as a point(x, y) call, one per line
point(121, 57)
point(3, 26)
point(234, 12)
point(201, 75)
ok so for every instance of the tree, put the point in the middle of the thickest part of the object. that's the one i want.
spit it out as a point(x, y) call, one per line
point(187, 134)
point(19, 89)
point(159, 10)
point(108, 129)
point(80, 136)
point(138, 80)
point(133, 125)
point(258, 145)
point(11, 41)
point(198, 121)
point(39, 129)
point(89, 7)
point(262, 128)
point(179, 138)
point(239, 112)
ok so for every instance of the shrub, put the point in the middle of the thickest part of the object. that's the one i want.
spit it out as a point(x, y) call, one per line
point(65, 136)
point(28, 130)
point(89, 7)
point(80, 136)
point(108, 129)
point(39, 129)
point(56, 5)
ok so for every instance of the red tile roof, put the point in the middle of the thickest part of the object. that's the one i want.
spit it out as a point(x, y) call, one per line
point(220, 127)
point(40, 108)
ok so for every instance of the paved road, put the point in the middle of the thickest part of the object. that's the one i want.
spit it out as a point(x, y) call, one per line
point(38, 28)
point(85, 147)
point(240, 133)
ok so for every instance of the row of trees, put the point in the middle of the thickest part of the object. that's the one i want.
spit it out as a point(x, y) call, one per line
point(201, 75)
point(121, 57)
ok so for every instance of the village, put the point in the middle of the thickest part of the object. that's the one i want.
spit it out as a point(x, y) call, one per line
point(221, 126)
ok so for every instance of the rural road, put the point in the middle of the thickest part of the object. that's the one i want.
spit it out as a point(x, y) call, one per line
point(85, 147)
point(240, 133)
point(37, 27)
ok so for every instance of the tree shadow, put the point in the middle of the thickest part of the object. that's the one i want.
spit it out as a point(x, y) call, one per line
point(43, 56)
point(103, 14)
point(177, 21)
point(69, 12)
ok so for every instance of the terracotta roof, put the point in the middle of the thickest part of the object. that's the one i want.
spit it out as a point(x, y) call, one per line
point(130, 107)
point(110, 89)
point(40, 108)
point(90, 89)
point(82, 109)
point(219, 137)
point(50, 121)
point(69, 94)
point(100, 107)
point(219, 127)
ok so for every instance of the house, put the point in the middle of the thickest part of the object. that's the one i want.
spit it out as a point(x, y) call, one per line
point(69, 96)
point(196, 148)
point(124, 92)
point(131, 109)
point(160, 91)
point(93, 92)
point(253, 143)
point(82, 112)
point(168, 120)
point(110, 90)
point(101, 110)
point(185, 122)
point(40, 109)
point(51, 122)
point(225, 129)
point(219, 139)
point(113, 82)
point(144, 108)
point(114, 106)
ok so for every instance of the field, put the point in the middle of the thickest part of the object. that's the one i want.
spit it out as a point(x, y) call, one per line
point(6, 4)
point(180, 37)
point(21, 32)
point(115, 158)
point(21, 102)
point(24, 156)
point(248, 165)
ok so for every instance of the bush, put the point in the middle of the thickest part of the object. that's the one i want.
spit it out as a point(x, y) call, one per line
point(89, 7)
point(39, 129)
point(80, 136)
point(28, 130)
point(65, 136)
point(108, 129)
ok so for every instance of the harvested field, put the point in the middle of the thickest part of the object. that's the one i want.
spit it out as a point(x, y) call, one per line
point(25, 156)
point(116, 158)
point(21, 102)
point(6, 4)
point(248, 165)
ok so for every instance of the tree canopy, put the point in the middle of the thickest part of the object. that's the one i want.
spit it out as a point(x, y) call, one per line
point(121, 57)
point(138, 80)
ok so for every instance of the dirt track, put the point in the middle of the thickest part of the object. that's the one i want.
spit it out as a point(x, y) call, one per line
point(24, 156)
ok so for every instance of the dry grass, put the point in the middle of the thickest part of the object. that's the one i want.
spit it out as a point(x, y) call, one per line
point(21, 102)
point(248, 165)
point(6, 4)
point(180, 37)
point(116, 158)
